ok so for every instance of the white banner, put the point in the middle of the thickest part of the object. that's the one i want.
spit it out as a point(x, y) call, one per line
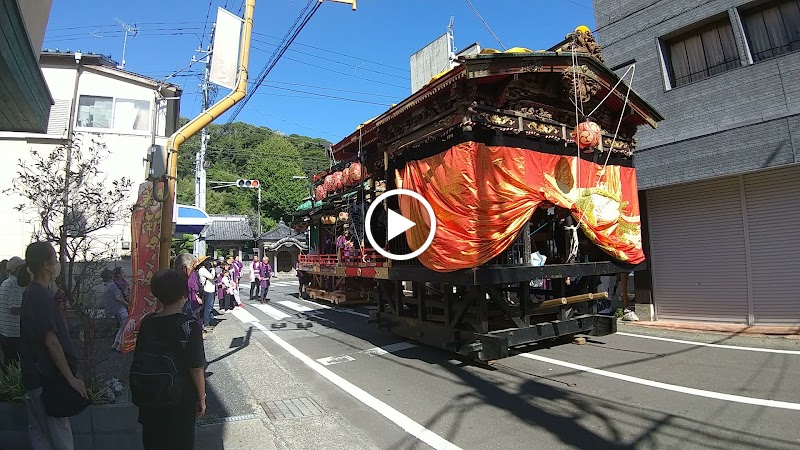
point(225, 56)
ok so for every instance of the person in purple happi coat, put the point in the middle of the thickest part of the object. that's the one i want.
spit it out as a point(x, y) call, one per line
point(265, 273)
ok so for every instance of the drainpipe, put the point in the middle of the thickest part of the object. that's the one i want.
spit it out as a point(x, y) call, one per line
point(68, 166)
point(192, 127)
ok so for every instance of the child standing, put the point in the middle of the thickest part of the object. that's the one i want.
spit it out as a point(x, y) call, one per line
point(169, 334)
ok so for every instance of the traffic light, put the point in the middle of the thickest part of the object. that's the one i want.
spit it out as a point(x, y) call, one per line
point(252, 184)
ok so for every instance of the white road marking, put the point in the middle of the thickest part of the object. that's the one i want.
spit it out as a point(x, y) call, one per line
point(406, 423)
point(243, 315)
point(668, 387)
point(275, 313)
point(341, 310)
point(331, 360)
point(703, 344)
point(284, 283)
point(391, 348)
point(295, 306)
point(375, 351)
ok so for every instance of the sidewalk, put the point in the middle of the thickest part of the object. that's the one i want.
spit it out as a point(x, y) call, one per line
point(241, 377)
point(724, 328)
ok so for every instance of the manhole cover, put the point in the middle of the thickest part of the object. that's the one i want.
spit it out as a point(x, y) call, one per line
point(291, 408)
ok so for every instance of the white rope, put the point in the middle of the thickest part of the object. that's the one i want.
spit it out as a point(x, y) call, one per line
point(632, 66)
point(619, 124)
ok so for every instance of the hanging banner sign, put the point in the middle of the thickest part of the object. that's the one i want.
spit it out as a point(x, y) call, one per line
point(225, 56)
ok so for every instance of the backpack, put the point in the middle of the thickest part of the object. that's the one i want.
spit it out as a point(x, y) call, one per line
point(156, 380)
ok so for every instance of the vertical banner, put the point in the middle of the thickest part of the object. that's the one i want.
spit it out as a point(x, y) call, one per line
point(145, 244)
point(225, 56)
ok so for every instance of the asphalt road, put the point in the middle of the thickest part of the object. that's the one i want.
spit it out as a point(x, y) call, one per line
point(619, 391)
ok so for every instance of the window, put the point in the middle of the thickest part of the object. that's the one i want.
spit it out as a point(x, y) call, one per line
point(701, 53)
point(95, 112)
point(119, 114)
point(772, 29)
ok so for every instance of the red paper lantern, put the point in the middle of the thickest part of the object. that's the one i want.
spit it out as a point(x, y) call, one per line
point(329, 185)
point(355, 172)
point(319, 192)
point(346, 176)
point(587, 135)
point(343, 216)
point(338, 181)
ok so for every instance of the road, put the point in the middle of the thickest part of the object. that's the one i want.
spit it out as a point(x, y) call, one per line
point(629, 390)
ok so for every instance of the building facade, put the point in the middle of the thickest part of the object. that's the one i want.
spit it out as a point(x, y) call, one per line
point(24, 98)
point(229, 236)
point(94, 100)
point(282, 245)
point(719, 178)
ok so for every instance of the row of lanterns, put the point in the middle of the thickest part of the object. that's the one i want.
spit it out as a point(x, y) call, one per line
point(330, 220)
point(350, 176)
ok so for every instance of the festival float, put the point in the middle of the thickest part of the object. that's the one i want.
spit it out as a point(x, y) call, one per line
point(527, 160)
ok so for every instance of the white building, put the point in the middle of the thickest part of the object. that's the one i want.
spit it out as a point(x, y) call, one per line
point(99, 101)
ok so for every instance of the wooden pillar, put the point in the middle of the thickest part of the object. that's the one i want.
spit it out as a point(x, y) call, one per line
point(624, 288)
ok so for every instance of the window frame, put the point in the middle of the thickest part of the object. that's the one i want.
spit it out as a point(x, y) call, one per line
point(759, 7)
point(112, 128)
point(696, 31)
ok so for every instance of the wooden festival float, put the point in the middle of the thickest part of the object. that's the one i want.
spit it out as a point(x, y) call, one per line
point(527, 159)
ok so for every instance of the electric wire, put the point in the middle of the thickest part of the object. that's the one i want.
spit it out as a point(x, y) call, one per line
point(475, 10)
point(277, 55)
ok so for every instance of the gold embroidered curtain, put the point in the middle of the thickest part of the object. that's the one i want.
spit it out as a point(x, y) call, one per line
point(483, 195)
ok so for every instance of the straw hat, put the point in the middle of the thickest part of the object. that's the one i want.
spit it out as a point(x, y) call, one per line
point(201, 259)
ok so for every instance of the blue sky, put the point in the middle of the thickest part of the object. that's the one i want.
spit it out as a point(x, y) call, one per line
point(378, 40)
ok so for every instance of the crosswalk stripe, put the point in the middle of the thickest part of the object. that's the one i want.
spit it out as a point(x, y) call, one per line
point(244, 316)
point(295, 306)
point(275, 313)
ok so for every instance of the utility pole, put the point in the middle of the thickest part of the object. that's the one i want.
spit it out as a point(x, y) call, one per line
point(200, 157)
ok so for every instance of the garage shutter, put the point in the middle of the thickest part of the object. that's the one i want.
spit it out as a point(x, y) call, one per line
point(697, 251)
point(773, 222)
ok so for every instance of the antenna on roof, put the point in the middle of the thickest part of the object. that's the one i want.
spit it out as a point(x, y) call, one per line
point(129, 29)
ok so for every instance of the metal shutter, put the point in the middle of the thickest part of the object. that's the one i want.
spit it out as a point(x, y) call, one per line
point(697, 251)
point(773, 223)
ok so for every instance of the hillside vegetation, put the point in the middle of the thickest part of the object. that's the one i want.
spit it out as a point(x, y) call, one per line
point(241, 150)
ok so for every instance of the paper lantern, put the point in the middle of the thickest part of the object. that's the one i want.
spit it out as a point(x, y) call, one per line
point(587, 135)
point(343, 216)
point(329, 185)
point(355, 172)
point(319, 192)
point(346, 176)
point(338, 181)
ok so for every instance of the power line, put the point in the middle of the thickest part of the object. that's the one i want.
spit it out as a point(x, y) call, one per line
point(327, 88)
point(278, 54)
point(118, 32)
point(205, 25)
point(475, 10)
point(333, 52)
point(113, 25)
point(337, 61)
point(336, 71)
point(293, 123)
point(329, 96)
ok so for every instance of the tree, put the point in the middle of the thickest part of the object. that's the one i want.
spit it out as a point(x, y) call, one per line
point(241, 150)
point(74, 221)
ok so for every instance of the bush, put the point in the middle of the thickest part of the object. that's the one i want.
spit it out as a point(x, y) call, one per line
point(11, 387)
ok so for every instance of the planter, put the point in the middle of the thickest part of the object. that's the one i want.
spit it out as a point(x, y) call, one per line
point(98, 427)
point(13, 425)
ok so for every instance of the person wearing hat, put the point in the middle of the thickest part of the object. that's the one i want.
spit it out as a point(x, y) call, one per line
point(115, 304)
point(10, 310)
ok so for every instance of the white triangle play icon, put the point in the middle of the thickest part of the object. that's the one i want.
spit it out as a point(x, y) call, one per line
point(397, 224)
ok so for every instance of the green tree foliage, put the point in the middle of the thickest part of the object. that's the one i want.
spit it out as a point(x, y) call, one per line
point(241, 150)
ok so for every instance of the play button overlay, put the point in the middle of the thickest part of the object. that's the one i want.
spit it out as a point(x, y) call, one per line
point(397, 224)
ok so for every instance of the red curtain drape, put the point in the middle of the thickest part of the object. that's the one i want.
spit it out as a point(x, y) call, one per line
point(483, 195)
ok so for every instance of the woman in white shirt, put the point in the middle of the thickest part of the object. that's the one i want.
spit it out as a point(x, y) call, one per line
point(209, 288)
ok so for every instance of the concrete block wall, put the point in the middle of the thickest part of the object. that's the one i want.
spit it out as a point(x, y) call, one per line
point(741, 120)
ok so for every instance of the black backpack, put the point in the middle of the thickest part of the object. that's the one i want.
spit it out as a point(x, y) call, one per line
point(156, 379)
